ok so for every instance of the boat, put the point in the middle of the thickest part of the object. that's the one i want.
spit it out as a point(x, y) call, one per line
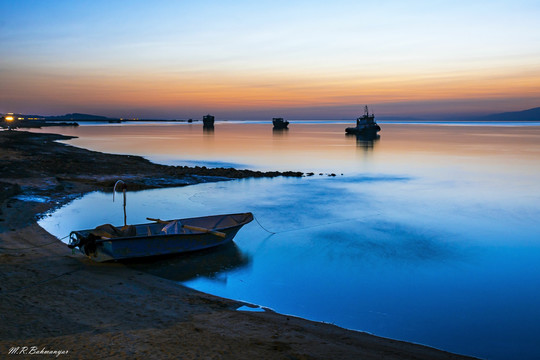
point(365, 125)
point(208, 120)
point(158, 237)
point(279, 123)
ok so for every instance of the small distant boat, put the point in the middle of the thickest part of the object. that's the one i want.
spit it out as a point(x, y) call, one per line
point(107, 242)
point(365, 125)
point(279, 123)
point(208, 120)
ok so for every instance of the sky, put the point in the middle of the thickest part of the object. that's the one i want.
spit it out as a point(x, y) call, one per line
point(262, 59)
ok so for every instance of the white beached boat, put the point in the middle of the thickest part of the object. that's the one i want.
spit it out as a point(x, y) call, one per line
point(107, 242)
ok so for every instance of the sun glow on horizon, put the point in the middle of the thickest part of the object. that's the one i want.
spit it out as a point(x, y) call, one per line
point(243, 57)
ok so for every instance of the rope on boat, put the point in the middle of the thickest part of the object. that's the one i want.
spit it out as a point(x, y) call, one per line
point(2, 292)
point(262, 227)
point(33, 247)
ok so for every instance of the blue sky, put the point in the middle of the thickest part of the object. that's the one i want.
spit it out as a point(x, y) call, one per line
point(245, 59)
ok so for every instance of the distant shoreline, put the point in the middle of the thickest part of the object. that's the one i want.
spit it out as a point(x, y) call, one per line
point(532, 114)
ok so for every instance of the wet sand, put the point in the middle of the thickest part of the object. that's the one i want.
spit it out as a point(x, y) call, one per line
point(54, 300)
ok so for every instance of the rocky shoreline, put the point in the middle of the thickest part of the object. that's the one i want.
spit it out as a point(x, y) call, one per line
point(69, 307)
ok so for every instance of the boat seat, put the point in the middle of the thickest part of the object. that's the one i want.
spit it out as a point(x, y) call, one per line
point(109, 231)
point(173, 227)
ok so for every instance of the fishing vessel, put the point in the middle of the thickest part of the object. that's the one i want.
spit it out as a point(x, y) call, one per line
point(108, 242)
point(279, 123)
point(365, 125)
point(208, 120)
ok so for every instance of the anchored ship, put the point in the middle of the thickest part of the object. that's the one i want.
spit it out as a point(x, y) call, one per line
point(208, 120)
point(365, 125)
point(279, 123)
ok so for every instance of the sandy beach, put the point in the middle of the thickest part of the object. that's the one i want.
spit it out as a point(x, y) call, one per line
point(67, 307)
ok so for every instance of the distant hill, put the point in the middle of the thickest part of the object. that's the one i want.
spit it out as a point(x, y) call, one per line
point(524, 115)
point(397, 118)
point(79, 117)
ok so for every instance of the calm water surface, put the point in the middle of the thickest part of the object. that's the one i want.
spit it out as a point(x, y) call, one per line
point(429, 234)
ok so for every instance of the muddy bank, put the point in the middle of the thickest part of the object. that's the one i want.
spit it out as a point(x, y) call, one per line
point(38, 156)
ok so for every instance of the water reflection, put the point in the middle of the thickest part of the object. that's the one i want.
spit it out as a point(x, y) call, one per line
point(280, 132)
point(420, 240)
point(365, 141)
point(210, 263)
point(317, 147)
point(208, 130)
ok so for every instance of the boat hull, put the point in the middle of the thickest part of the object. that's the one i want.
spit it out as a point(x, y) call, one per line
point(367, 130)
point(150, 240)
point(208, 121)
point(280, 123)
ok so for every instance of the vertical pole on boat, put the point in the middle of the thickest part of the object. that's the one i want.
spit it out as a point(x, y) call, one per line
point(125, 217)
point(124, 187)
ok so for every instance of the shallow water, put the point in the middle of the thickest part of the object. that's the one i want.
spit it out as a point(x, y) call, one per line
point(431, 234)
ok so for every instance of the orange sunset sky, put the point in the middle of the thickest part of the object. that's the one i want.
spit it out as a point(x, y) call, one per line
point(254, 60)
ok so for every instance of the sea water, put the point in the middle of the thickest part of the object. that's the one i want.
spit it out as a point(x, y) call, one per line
point(429, 234)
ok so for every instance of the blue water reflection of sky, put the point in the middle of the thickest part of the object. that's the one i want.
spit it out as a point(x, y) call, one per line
point(432, 239)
